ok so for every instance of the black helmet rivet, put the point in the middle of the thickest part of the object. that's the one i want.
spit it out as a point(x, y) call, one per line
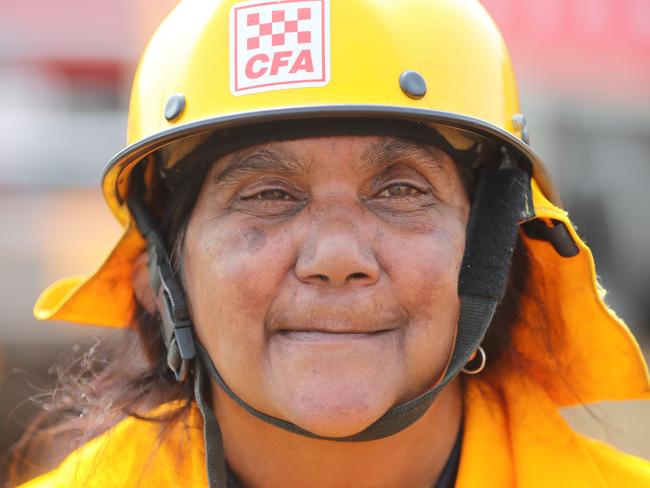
point(413, 84)
point(174, 106)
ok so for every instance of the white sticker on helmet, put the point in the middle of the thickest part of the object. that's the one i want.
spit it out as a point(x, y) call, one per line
point(279, 44)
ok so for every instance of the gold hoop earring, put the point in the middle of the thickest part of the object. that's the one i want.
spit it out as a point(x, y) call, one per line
point(480, 367)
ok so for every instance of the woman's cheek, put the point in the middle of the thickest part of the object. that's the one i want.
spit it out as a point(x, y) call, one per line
point(235, 273)
point(426, 261)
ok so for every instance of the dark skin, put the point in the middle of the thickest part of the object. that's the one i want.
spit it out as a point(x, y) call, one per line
point(322, 276)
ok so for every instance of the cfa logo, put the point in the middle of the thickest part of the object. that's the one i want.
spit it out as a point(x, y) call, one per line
point(279, 44)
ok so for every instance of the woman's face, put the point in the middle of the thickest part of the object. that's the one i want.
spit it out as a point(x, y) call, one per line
point(322, 275)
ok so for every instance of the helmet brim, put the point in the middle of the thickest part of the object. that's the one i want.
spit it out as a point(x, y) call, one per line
point(116, 175)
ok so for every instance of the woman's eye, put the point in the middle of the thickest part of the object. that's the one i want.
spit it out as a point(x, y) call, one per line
point(400, 190)
point(273, 194)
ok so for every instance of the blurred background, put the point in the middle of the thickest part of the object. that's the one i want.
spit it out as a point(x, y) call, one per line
point(65, 70)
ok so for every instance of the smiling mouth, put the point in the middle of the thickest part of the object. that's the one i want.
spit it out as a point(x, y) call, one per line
point(329, 336)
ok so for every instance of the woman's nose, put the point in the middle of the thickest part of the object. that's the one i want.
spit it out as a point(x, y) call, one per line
point(335, 254)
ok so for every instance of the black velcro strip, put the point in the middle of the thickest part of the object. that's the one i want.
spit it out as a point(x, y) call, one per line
point(500, 200)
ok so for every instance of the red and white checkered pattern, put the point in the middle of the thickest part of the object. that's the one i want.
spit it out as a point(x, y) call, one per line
point(279, 29)
point(276, 45)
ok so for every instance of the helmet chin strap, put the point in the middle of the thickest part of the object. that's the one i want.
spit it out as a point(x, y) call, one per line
point(502, 200)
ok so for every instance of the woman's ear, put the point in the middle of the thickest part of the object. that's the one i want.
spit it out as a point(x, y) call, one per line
point(140, 282)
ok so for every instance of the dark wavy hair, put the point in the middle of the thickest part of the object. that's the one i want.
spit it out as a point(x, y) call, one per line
point(94, 391)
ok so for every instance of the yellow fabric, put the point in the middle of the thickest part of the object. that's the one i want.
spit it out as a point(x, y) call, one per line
point(105, 298)
point(570, 342)
point(129, 455)
point(514, 436)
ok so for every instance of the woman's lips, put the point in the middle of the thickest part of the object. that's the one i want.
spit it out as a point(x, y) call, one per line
point(329, 336)
point(336, 321)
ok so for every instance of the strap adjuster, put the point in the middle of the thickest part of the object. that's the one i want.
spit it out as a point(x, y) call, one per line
point(175, 321)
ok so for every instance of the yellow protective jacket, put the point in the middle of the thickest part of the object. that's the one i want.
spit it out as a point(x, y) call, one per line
point(513, 437)
point(571, 349)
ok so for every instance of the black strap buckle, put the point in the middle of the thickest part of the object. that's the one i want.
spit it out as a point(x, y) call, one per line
point(175, 322)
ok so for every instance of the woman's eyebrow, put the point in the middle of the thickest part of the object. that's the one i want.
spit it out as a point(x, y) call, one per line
point(382, 153)
point(282, 161)
point(273, 159)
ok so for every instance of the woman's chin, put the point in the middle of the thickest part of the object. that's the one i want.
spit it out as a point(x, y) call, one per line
point(337, 387)
point(333, 408)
